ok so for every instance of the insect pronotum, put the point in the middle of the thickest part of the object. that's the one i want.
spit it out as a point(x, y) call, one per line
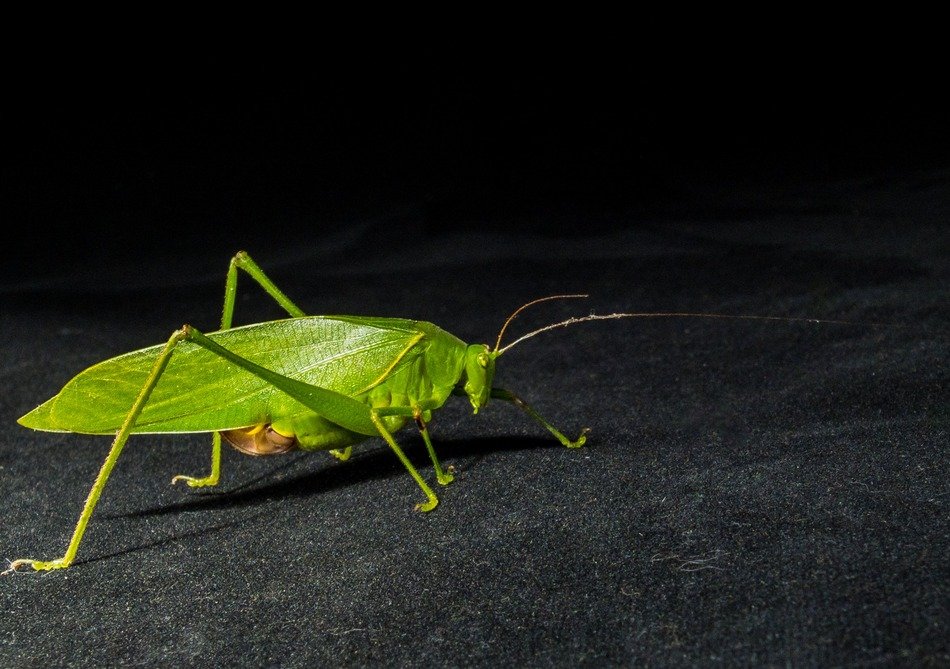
point(305, 382)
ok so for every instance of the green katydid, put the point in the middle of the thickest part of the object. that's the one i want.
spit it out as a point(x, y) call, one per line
point(307, 382)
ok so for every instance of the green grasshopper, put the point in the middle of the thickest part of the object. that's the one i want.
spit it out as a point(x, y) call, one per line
point(306, 382)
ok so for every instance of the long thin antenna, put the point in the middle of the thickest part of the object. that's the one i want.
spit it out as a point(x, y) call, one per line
point(525, 306)
point(605, 317)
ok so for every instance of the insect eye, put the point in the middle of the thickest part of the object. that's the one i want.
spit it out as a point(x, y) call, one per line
point(483, 359)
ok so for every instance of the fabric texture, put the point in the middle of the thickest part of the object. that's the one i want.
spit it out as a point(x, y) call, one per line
point(752, 493)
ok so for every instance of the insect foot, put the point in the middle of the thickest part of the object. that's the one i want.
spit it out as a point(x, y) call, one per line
point(196, 482)
point(446, 477)
point(427, 506)
point(62, 563)
point(580, 441)
point(342, 454)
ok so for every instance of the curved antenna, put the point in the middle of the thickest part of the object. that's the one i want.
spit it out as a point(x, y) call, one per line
point(522, 308)
point(604, 317)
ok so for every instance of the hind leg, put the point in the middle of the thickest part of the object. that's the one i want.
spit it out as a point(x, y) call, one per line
point(242, 261)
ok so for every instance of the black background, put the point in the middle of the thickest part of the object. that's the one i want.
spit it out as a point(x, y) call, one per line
point(157, 153)
point(751, 494)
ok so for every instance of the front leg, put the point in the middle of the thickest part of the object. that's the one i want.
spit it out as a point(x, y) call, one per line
point(508, 396)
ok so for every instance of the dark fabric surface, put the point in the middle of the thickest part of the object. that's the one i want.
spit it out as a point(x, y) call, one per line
point(752, 493)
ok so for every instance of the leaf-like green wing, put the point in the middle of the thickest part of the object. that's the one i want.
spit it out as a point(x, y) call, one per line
point(201, 392)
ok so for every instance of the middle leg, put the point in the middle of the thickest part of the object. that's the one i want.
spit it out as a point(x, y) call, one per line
point(418, 415)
